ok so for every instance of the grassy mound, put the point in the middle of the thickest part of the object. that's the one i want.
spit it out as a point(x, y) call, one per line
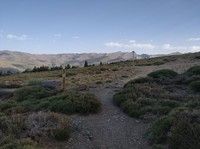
point(171, 103)
point(36, 98)
point(193, 71)
point(195, 85)
point(163, 73)
point(31, 92)
point(181, 130)
point(71, 102)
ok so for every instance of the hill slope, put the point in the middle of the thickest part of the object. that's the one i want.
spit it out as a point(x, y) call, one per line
point(21, 61)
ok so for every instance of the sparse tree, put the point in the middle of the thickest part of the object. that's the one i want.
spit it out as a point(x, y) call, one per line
point(101, 64)
point(68, 66)
point(86, 64)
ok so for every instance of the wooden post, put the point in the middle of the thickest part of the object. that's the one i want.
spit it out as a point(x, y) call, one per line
point(63, 79)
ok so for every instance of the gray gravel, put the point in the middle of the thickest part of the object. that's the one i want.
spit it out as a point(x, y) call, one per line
point(109, 129)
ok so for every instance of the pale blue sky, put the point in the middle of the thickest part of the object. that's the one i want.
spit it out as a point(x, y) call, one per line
point(68, 26)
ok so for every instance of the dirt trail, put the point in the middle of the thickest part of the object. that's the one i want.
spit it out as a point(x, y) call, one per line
point(109, 129)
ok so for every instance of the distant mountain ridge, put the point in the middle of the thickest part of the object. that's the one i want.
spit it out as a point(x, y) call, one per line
point(13, 60)
point(22, 61)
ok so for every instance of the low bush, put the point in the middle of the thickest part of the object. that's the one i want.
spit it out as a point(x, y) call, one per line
point(31, 92)
point(45, 124)
point(37, 98)
point(99, 82)
point(35, 82)
point(61, 134)
point(193, 71)
point(115, 69)
point(7, 105)
point(72, 102)
point(27, 143)
point(195, 86)
point(185, 132)
point(158, 133)
point(131, 108)
point(164, 73)
point(20, 131)
point(108, 81)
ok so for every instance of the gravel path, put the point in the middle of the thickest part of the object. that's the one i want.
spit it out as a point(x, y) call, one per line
point(109, 129)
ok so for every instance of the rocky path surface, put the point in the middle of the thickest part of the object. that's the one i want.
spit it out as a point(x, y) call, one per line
point(109, 129)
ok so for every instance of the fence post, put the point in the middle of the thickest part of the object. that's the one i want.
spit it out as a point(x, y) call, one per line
point(63, 78)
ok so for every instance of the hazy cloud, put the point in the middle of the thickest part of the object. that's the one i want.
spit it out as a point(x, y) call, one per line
point(1, 33)
point(194, 39)
point(17, 37)
point(132, 41)
point(75, 37)
point(163, 48)
point(131, 45)
point(57, 35)
point(195, 48)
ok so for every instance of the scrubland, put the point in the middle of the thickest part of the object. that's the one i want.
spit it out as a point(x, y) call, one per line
point(163, 92)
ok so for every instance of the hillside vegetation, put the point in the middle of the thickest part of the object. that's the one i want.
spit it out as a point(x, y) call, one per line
point(172, 99)
point(104, 73)
point(35, 112)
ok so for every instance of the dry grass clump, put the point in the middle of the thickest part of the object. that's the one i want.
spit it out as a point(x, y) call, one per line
point(155, 61)
point(23, 131)
point(45, 124)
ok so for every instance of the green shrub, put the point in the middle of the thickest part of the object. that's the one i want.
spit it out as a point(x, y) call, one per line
point(99, 82)
point(185, 132)
point(161, 110)
point(37, 98)
point(193, 71)
point(138, 80)
point(158, 132)
point(31, 92)
point(115, 69)
point(7, 105)
point(103, 69)
point(146, 101)
point(169, 103)
point(119, 98)
point(193, 103)
point(132, 108)
point(20, 144)
point(68, 74)
point(73, 102)
point(61, 134)
point(108, 81)
point(35, 82)
point(158, 146)
point(159, 63)
point(195, 86)
point(164, 73)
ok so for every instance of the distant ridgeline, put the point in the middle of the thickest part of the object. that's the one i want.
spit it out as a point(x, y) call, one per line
point(22, 61)
point(13, 62)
